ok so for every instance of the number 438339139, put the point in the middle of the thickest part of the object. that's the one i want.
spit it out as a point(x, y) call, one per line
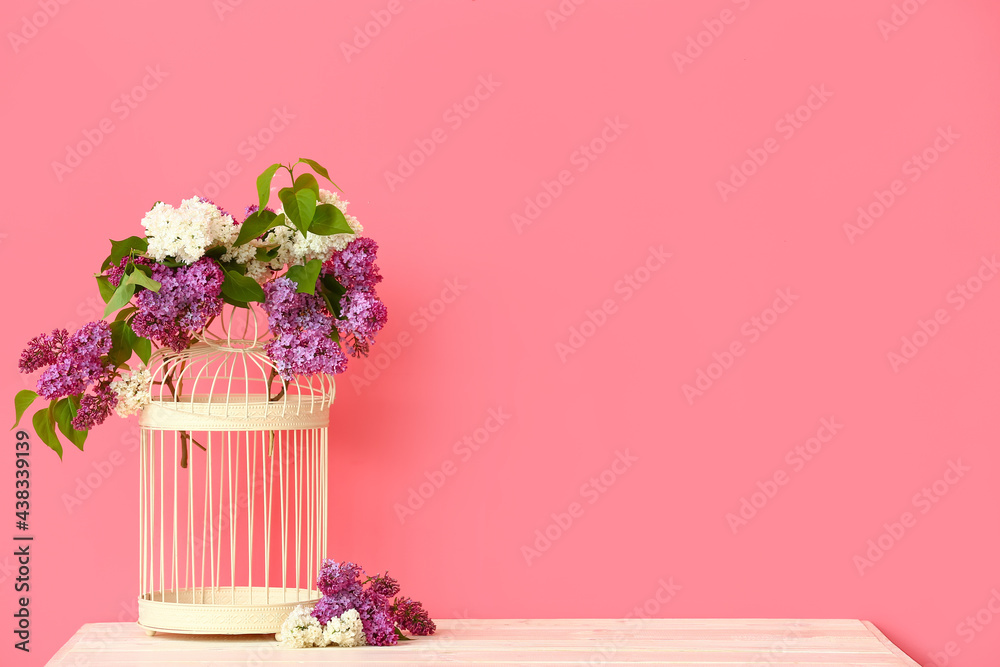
point(21, 484)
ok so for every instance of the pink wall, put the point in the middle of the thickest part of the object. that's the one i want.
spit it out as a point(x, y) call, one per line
point(664, 132)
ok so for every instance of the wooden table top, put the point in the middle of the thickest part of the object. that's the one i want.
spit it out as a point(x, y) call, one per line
point(675, 642)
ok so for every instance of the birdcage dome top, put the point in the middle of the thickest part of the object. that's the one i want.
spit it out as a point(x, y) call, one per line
point(226, 381)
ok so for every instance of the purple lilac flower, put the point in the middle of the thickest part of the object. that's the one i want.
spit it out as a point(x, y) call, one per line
point(42, 350)
point(115, 273)
point(384, 585)
point(362, 314)
point(334, 577)
point(412, 617)
point(95, 408)
point(334, 605)
point(342, 589)
point(187, 300)
point(354, 266)
point(376, 618)
point(289, 310)
point(78, 363)
point(305, 353)
point(302, 328)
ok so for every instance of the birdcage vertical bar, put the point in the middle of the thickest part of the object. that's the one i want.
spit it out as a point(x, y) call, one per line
point(251, 512)
point(234, 510)
point(268, 500)
point(297, 503)
point(204, 521)
point(217, 536)
point(143, 443)
point(282, 442)
point(325, 472)
point(310, 525)
point(174, 577)
point(191, 526)
point(162, 505)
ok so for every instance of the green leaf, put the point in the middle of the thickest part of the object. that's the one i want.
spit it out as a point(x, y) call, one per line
point(65, 411)
point(400, 634)
point(125, 341)
point(333, 307)
point(139, 278)
point(47, 434)
point(299, 207)
point(125, 312)
point(121, 344)
point(331, 283)
point(234, 266)
point(143, 347)
point(130, 335)
point(147, 270)
point(329, 220)
point(241, 288)
point(107, 289)
point(332, 291)
point(216, 252)
point(22, 401)
point(290, 206)
point(266, 254)
point(306, 182)
point(305, 276)
point(121, 296)
point(321, 170)
point(332, 301)
point(307, 206)
point(256, 224)
point(264, 184)
point(124, 247)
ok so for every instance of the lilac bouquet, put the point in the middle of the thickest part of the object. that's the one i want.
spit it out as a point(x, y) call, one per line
point(306, 263)
point(355, 609)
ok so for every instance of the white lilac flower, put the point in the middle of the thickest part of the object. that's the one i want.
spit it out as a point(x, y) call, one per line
point(259, 271)
point(314, 246)
point(132, 391)
point(243, 254)
point(186, 232)
point(347, 630)
point(301, 630)
point(294, 248)
point(329, 197)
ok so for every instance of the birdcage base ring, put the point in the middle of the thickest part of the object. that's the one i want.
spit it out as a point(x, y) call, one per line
point(225, 611)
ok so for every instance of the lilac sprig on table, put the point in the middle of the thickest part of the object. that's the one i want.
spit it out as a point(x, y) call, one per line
point(411, 616)
point(337, 577)
point(305, 263)
point(350, 597)
point(384, 585)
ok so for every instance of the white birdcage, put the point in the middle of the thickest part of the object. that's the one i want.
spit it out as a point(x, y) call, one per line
point(233, 486)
